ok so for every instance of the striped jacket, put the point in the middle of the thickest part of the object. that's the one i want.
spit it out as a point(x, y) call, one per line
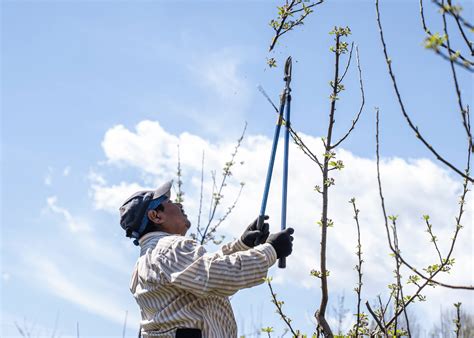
point(177, 284)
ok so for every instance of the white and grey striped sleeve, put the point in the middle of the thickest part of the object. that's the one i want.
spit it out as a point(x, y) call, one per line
point(188, 266)
point(234, 246)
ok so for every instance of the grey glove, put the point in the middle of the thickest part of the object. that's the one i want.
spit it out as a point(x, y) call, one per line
point(256, 233)
point(282, 242)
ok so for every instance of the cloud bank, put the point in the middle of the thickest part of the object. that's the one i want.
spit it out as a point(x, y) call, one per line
point(412, 188)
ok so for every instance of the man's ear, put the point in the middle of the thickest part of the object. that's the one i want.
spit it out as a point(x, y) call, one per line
point(155, 216)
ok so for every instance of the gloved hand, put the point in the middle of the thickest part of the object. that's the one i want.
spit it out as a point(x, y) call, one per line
point(282, 242)
point(253, 236)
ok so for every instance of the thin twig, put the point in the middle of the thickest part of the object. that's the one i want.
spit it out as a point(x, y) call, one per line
point(433, 237)
point(455, 15)
point(359, 265)
point(229, 210)
point(388, 303)
point(377, 320)
point(457, 321)
point(399, 284)
point(402, 106)
point(354, 122)
point(382, 310)
point(455, 78)
point(299, 142)
point(294, 135)
point(214, 188)
point(279, 305)
point(124, 324)
point(466, 64)
point(218, 196)
point(442, 267)
point(348, 64)
point(280, 27)
point(179, 174)
point(283, 27)
point(200, 196)
point(461, 30)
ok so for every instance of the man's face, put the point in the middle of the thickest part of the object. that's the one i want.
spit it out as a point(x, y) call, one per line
point(172, 219)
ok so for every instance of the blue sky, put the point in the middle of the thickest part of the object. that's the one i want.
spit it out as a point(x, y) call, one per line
point(78, 78)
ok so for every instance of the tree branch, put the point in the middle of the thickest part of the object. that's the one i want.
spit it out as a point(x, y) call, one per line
point(446, 262)
point(358, 289)
point(402, 106)
point(281, 27)
point(466, 62)
point(279, 306)
point(377, 320)
point(354, 122)
point(348, 64)
point(216, 198)
point(456, 83)
point(294, 135)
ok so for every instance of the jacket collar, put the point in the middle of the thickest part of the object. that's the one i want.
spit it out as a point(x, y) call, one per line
point(150, 239)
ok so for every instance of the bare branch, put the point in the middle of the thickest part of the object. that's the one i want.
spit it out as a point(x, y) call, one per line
point(299, 142)
point(398, 277)
point(358, 267)
point(179, 174)
point(216, 198)
point(377, 320)
point(354, 122)
point(466, 63)
point(456, 83)
point(433, 237)
point(402, 106)
point(382, 309)
point(454, 14)
point(229, 210)
point(348, 64)
point(294, 135)
point(279, 306)
point(198, 227)
point(446, 262)
point(457, 321)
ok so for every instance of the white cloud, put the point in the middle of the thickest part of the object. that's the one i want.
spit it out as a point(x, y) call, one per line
point(111, 198)
point(412, 188)
point(102, 252)
point(99, 302)
point(74, 224)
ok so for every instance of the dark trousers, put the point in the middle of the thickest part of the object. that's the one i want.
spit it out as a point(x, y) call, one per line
point(188, 333)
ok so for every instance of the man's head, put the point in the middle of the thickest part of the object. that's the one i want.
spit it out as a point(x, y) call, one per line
point(169, 217)
point(147, 211)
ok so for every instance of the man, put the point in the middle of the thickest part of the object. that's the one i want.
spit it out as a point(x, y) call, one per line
point(182, 290)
